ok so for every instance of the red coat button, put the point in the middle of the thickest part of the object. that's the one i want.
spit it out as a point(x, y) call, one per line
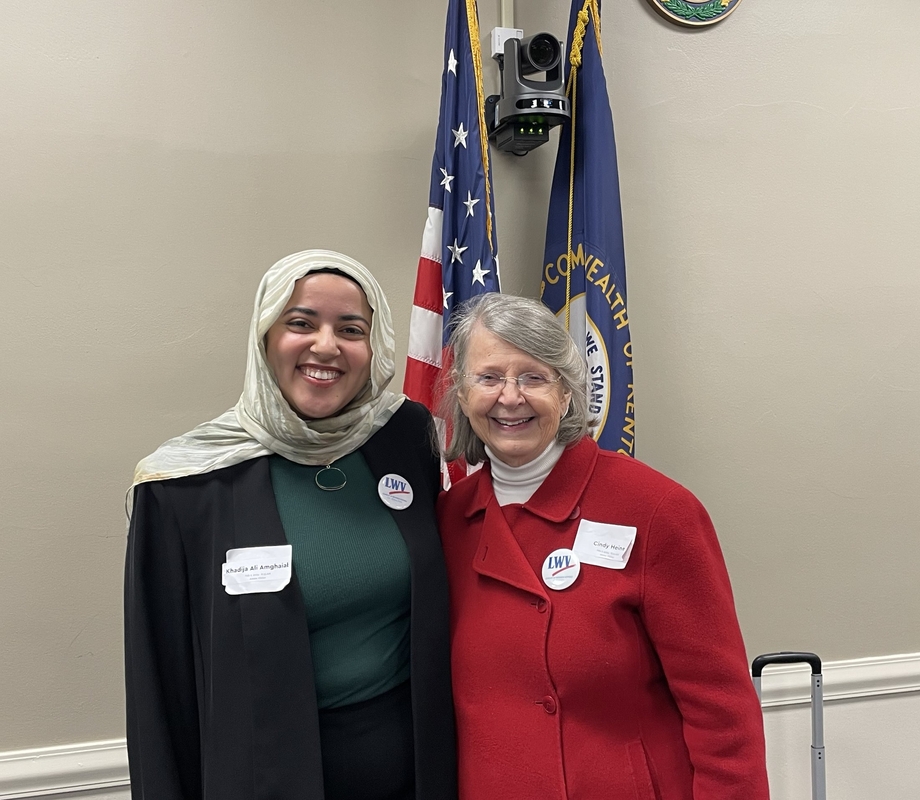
point(549, 705)
point(542, 606)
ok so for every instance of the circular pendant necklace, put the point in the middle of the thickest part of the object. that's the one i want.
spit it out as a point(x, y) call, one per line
point(328, 481)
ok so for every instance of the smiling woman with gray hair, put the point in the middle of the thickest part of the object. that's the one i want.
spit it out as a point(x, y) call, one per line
point(595, 649)
point(521, 323)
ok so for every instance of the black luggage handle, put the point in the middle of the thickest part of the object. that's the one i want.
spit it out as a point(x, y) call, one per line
point(818, 781)
point(758, 664)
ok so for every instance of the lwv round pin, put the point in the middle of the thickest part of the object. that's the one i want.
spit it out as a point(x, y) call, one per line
point(560, 569)
point(395, 491)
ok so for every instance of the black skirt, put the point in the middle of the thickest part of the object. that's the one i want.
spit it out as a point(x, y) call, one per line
point(367, 748)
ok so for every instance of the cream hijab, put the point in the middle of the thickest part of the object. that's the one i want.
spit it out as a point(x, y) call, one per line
point(262, 422)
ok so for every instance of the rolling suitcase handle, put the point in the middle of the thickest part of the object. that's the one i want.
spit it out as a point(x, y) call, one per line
point(818, 784)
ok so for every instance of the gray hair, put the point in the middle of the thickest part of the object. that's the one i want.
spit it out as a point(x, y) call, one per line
point(532, 328)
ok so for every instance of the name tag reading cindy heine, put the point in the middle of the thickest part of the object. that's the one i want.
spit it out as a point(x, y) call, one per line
point(604, 545)
point(254, 570)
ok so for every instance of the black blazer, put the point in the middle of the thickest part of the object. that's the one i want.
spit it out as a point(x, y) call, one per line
point(220, 697)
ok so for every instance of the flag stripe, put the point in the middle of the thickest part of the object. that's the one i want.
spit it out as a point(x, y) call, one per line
point(425, 335)
point(428, 293)
point(431, 236)
point(421, 381)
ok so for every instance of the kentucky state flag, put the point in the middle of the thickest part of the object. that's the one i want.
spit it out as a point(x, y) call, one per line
point(584, 273)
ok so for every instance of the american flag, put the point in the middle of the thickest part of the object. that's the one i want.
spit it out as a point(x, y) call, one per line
point(459, 257)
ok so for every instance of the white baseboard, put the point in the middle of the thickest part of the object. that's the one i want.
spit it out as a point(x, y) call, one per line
point(77, 768)
point(81, 769)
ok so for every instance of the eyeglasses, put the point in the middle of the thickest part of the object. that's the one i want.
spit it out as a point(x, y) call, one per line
point(532, 383)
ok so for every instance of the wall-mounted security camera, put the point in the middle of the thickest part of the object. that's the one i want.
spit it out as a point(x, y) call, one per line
point(520, 118)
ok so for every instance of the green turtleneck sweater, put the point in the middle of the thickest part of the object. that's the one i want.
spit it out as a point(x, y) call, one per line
point(353, 569)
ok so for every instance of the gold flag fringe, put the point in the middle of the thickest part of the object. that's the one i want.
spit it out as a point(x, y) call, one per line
point(472, 19)
point(571, 90)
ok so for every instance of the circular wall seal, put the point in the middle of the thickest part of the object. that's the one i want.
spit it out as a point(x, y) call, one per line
point(694, 13)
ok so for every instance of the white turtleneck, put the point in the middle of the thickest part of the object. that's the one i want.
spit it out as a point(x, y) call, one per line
point(518, 484)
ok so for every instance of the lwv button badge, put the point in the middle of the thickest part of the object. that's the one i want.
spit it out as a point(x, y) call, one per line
point(560, 569)
point(395, 491)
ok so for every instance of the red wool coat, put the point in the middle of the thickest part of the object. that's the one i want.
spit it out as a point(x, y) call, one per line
point(630, 684)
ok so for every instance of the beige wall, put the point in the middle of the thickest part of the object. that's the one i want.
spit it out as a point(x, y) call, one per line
point(157, 158)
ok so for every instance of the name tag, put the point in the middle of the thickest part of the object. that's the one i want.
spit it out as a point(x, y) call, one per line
point(253, 570)
point(604, 545)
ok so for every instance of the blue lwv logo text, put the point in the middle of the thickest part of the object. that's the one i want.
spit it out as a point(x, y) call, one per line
point(558, 562)
point(395, 486)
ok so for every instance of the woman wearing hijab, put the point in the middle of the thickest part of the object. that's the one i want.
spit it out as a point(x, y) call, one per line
point(285, 599)
point(596, 653)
